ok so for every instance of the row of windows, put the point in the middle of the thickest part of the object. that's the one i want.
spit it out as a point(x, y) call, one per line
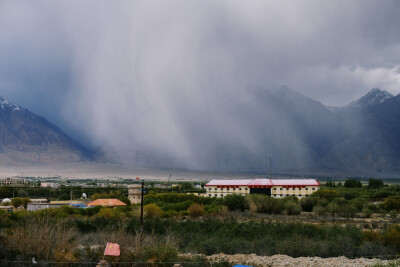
point(234, 189)
point(286, 195)
point(281, 195)
point(216, 195)
point(287, 189)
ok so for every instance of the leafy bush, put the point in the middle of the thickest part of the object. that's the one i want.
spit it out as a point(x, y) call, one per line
point(236, 202)
point(215, 209)
point(292, 208)
point(266, 204)
point(367, 212)
point(347, 210)
point(196, 210)
point(152, 211)
point(326, 194)
point(352, 183)
point(375, 183)
point(161, 253)
point(308, 203)
point(320, 210)
point(16, 202)
point(392, 203)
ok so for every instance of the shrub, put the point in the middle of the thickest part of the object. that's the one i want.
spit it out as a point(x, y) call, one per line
point(44, 238)
point(292, 208)
point(25, 202)
point(152, 211)
point(392, 236)
point(308, 203)
point(196, 210)
point(161, 253)
point(393, 214)
point(375, 183)
point(169, 214)
point(347, 210)
point(352, 183)
point(265, 204)
point(216, 209)
point(391, 203)
point(320, 210)
point(236, 202)
point(326, 194)
point(16, 202)
point(367, 212)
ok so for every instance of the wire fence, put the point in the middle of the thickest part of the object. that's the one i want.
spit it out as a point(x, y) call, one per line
point(119, 264)
point(392, 258)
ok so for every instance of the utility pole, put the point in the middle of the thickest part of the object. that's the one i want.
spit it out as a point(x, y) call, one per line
point(141, 206)
point(270, 166)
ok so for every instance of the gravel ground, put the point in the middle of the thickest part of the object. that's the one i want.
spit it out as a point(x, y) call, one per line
point(283, 260)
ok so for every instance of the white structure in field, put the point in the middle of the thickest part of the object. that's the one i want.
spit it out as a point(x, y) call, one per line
point(276, 188)
point(135, 193)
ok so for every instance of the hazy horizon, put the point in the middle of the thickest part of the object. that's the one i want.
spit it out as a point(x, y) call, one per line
point(157, 78)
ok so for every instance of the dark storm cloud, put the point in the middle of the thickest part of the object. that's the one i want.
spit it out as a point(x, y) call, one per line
point(141, 72)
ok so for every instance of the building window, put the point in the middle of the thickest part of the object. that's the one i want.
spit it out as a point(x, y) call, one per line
point(281, 195)
point(215, 194)
point(245, 188)
point(234, 189)
point(209, 188)
point(240, 189)
point(209, 195)
point(313, 188)
point(222, 195)
point(281, 188)
point(227, 189)
point(287, 189)
point(300, 195)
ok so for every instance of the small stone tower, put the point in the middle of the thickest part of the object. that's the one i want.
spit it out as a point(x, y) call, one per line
point(135, 193)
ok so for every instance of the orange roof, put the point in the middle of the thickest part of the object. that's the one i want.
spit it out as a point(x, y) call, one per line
point(110, 202)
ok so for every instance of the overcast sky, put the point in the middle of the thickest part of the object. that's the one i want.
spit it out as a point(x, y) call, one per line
point(117, 69)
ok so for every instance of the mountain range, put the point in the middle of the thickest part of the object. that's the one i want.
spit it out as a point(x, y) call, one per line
point(26, 138)
point(302, 134)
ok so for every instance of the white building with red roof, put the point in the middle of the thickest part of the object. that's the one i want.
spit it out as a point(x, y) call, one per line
point(277, 188)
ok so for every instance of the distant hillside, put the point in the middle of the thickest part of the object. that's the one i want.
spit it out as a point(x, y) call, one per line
point(303, 135)
point(26, 138)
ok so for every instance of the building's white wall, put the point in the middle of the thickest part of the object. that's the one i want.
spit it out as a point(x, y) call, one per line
point(276, 191)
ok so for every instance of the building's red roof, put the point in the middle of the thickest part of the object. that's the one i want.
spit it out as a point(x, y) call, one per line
point(111, 202)
point(262, 182)
point(265, 182)
point(295, 182)
point(229, 182)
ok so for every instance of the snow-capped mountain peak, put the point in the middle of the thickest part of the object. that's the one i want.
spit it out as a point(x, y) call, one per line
point(373, 97)
point(6, 104)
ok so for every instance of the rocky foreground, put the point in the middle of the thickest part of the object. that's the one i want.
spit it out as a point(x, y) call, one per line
point(283, 260)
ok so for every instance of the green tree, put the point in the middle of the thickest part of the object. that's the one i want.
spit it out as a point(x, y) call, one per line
point(25, 201)
point(236, 202)
point(152, 211)
point(392, 203)
point(292, 208)
point(16, 202)
point(325, 193)
point(308, 203)
point(352, 183)
point(196, 210)
point(375, 183)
